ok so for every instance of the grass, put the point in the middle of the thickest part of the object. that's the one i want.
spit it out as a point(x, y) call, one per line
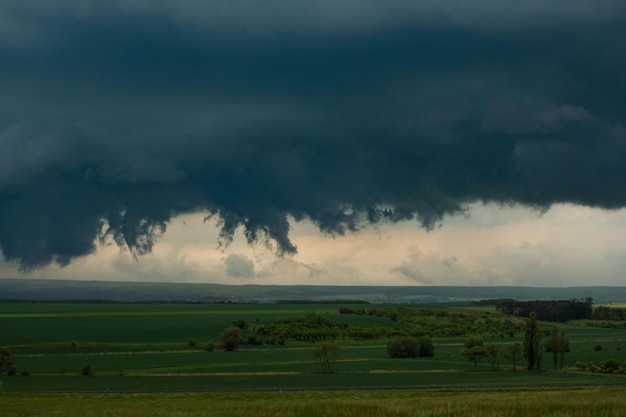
point(516, 403)
point(144, 348)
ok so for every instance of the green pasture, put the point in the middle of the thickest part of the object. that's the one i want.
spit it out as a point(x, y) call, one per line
point(144, 348)
point(486, 403)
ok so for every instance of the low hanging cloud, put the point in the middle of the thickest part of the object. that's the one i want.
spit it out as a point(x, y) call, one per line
point(239, 266)
point(116, 117)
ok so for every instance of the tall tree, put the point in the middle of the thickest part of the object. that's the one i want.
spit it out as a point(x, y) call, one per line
point(532, 342)
point(558, 345)
point(563, 347)
point(514, 353)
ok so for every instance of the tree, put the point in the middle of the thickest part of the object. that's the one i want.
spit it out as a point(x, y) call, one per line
point(230, 339)
point(513, 352)
point(493, 351)
point(563, 347)
point(557, 345)
point(326, 354)
point(474, 350)
point(426, 347)
point(532, 342)
point(6, 360)
point(475, 354)
point(403, 347)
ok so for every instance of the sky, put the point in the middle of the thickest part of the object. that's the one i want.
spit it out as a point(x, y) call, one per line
point(330, 142)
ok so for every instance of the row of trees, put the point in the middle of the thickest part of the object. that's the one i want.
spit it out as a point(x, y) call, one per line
point(531, 348)
point(559, 311)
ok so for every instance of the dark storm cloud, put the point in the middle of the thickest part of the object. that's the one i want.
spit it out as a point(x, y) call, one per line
point(117, 116)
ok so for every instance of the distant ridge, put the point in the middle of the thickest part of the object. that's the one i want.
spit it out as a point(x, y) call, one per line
point(47, 290)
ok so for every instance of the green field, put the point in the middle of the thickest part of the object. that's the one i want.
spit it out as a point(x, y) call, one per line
point(144, 348)
point(516, 403)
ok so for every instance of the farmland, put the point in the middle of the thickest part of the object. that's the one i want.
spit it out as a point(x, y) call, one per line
point(133, 350)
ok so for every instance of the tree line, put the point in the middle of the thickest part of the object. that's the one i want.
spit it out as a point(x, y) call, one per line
point(553, 310)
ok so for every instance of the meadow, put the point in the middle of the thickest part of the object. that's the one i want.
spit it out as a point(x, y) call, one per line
point(141, 354)
point(516, 403)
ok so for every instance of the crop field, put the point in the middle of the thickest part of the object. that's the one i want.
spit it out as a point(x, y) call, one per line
point(138, 352)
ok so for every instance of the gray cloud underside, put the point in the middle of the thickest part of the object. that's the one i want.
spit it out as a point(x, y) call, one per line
point(117, 116)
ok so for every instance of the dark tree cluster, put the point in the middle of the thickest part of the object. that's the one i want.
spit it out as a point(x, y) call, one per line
point(444, 323)
point(410, 347)
point(313, 327)
point(607, 313)
point(559, 311)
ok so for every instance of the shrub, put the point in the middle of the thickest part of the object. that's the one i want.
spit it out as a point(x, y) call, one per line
point(87, 370)
point(210, 347)
point(403, 347)
point(610, 365)
point(253, 340)
point(230, 339)
point(597, 348)
point(240, 323)
point(192, 342)
point(426, 347)
point(6, 360)
point(410, 347)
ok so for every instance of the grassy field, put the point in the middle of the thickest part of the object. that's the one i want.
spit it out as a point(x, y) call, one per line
point(515, 403)
point(144, 348)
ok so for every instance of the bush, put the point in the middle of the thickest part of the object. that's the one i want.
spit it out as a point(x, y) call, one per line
point(253, 340)
point(87, 370)
point(210, 347)
point(597, 348)
point(610, 365)
point(241, 323)
point(403, 347)
point(192, 342)
point(6, 361)
point(410, 347)
point(427, 348)
point(230, 339)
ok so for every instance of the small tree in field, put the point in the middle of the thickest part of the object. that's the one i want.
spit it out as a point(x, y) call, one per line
point(474, 350)
point(514, 352)
point(557, 345)
point(7, 365)
point(326, 354)
point(532, 342)
point(493, 351)
point(230, 339)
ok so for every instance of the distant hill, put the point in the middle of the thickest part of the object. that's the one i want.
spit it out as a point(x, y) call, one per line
point(47, 290)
